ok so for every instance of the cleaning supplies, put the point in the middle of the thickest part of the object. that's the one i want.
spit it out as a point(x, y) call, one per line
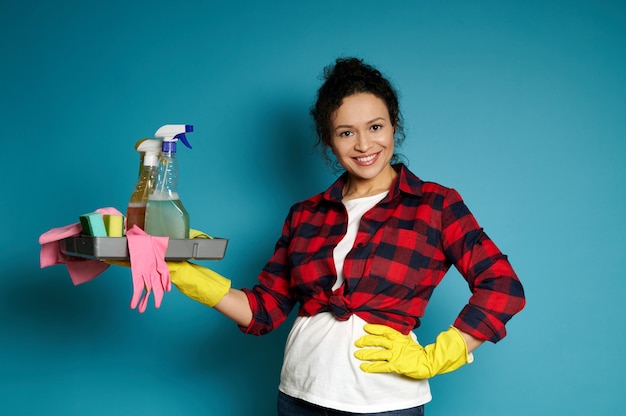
point(165, 213)
point(136, 212)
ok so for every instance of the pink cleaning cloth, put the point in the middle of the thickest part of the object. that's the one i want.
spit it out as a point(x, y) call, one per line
point(149, 270)
point(81, 270)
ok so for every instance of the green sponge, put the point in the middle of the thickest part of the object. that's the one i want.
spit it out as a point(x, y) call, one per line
point(93, 224)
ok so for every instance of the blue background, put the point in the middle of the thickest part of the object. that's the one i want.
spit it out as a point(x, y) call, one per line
point(521, 106)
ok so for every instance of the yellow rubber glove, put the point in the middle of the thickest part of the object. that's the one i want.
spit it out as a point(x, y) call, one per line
point(198, 234)
point(199, 283)
point(395, 352)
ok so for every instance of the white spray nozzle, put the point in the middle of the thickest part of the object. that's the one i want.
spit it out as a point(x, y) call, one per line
point(151, 149)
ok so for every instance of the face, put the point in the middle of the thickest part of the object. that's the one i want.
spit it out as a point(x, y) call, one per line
point(362, 137)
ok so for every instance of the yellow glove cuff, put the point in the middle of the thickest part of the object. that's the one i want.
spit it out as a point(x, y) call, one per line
point(199, 283)
point(449, 352)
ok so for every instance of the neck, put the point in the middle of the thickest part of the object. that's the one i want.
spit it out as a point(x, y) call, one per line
point(359, 188)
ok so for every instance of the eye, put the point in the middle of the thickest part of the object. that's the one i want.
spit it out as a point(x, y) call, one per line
point(376, 127)
point(345, 133)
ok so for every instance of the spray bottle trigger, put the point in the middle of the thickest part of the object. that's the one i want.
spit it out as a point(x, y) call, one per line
point(183, 139)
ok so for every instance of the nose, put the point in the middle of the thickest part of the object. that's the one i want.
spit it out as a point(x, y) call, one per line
point(363, 143)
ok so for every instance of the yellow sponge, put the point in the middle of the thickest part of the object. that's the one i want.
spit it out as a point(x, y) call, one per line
point(114, 225)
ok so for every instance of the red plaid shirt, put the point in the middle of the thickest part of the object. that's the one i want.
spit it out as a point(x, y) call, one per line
point(403, 248)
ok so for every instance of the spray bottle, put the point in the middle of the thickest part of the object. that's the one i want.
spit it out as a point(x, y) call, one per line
point(136, 212)
point(165, 213)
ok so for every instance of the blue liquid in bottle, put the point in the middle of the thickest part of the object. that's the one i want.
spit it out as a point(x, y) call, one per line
point(167, 217)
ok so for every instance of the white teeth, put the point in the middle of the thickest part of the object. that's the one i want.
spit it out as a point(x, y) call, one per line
point(366, 159)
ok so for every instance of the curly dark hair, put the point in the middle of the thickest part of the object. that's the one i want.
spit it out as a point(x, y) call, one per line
point(349, 76)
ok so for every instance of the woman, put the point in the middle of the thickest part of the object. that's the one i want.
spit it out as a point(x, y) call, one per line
point(362, 260)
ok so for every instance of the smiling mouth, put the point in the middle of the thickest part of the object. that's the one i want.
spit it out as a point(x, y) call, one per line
point(366, 160)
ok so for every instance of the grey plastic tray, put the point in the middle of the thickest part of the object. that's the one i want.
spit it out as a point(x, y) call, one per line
point(116, 248)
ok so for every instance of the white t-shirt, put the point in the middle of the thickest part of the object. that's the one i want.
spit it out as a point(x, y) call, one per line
point(319, 364)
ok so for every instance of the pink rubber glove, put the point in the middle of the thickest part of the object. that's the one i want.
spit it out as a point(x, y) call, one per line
point(159, 245)
point(146, 255)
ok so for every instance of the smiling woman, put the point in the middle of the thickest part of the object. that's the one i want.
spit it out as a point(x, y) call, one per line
point(362, 260)
point(519, 105)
